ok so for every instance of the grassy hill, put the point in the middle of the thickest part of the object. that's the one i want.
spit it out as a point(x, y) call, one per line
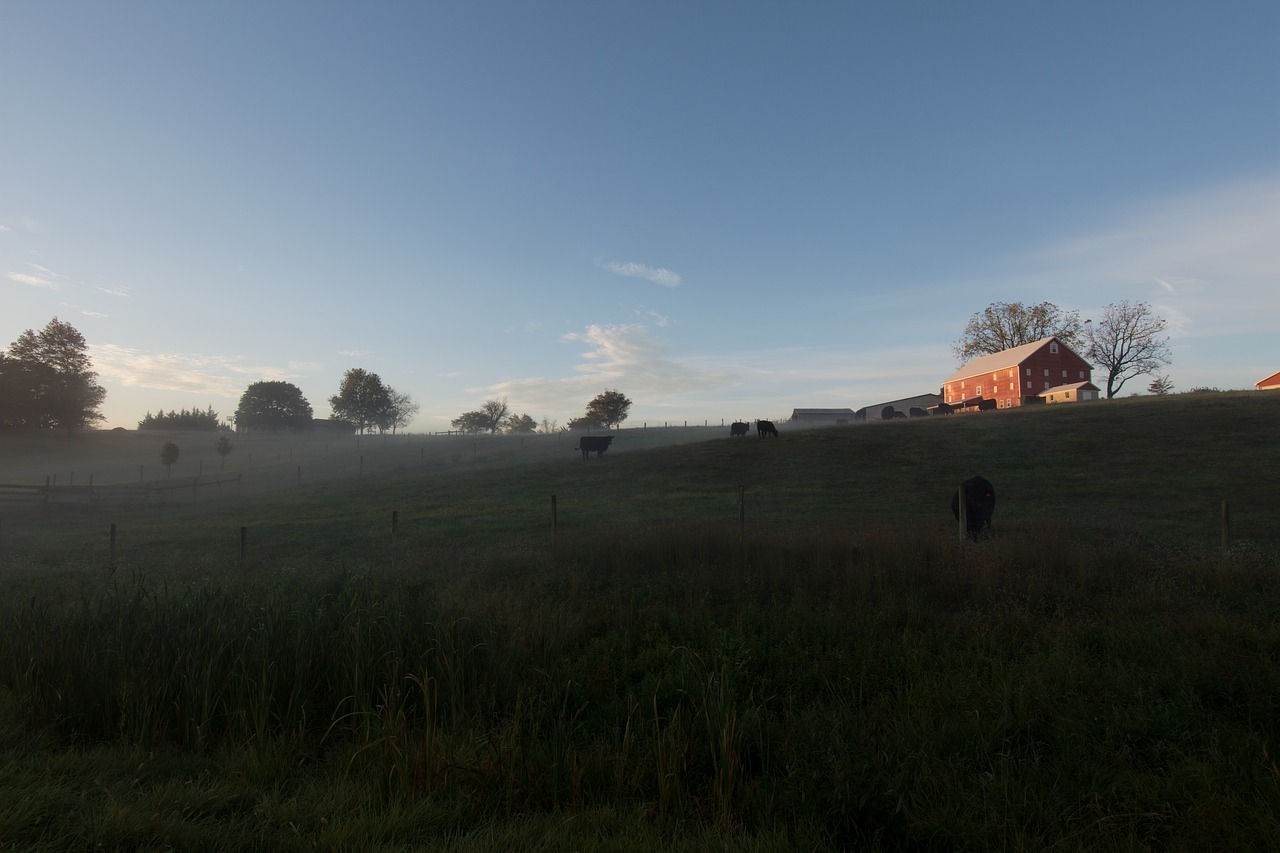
point(1155, 468)
point(838, 671)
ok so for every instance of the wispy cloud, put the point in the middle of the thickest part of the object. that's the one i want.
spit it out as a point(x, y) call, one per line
point(625, 357)
point(33, 280)
point(662, 321)
point(38, 277)
point(657, 275)
point(355, 353)
point(212, 375)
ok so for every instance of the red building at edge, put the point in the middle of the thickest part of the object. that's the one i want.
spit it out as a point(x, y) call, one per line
point(1007, 379)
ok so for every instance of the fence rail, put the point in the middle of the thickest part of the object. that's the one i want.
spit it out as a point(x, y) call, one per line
point(51, 493)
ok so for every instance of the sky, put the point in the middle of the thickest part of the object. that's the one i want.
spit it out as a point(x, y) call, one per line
point(725, 210)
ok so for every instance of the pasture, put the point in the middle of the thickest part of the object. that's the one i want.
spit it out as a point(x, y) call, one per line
point(724, 642)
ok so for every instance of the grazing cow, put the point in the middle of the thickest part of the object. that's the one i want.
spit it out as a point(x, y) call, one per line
point(598, 443)
point(917, 412)
point(766, 428)
point(979, 505)
point(738, 428)
point(987, 405)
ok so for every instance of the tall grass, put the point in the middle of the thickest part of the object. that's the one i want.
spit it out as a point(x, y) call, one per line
point(891, 688)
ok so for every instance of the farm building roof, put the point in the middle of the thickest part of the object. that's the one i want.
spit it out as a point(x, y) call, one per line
point(1272, 381)
point(1074, 386)
point(1004, 358)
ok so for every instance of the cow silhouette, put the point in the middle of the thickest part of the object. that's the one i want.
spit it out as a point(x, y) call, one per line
point(979, 505)
point(765, 429)
point(917, 412)
point(598, 443)
point(738, 428)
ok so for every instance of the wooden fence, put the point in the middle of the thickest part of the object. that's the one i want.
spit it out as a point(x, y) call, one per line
point(52, 493)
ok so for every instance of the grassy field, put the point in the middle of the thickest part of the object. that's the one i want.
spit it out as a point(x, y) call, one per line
point(726, 642)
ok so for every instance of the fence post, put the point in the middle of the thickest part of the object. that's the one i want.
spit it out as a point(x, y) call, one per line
point(963, 514)
point(1226, 526)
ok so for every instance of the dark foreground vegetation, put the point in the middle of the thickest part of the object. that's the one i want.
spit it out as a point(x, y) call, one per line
point(839, 672)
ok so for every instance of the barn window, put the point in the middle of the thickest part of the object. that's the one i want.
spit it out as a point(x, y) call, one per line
point(1028, 371)
point(979, 391)
point(1028, 382)
point(993, 377)
point(1046, 386)
point(1082, 374)
point(1053, 346)
point(1046, 371)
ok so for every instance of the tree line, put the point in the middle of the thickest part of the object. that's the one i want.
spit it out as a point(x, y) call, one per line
point(47, 380)
point(606, 410)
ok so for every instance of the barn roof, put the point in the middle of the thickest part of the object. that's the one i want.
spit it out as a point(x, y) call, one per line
point(795, 412)
point(1272, 381)
point(1004, 359)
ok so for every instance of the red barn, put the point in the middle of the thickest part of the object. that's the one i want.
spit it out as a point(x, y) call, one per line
point(1009, 378)
point(1272, 382)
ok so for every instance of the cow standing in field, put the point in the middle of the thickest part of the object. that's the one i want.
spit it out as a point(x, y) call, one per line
point(979, 505)
point(738, 428)
point(765, 429)
point(598, 443)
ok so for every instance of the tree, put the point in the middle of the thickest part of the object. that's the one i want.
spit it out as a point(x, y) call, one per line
point(363, 400)
point(521, 425)
point(587, 421)
point(20, 393)
point(488, 418)
point(609, 408)
point(1004, 325)
point(224, 448)
point(53, 367)
point(273, 406)
point(1126, 342)
point(169, 455)
point(184, 420)
point(401, 409)
point(1161, 385)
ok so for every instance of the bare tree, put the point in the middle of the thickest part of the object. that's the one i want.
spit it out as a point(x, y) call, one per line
point(1005, 325)
point(1161, 385)
point(401, 410)
point(1126, 341)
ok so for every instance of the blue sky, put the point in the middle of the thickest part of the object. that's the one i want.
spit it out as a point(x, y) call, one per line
point(722, 209)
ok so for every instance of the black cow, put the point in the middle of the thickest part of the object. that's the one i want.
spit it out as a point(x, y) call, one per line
point(917, 412)
point(979, 505)
point(738, 428)
point(766, 428)
point(598, 443)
